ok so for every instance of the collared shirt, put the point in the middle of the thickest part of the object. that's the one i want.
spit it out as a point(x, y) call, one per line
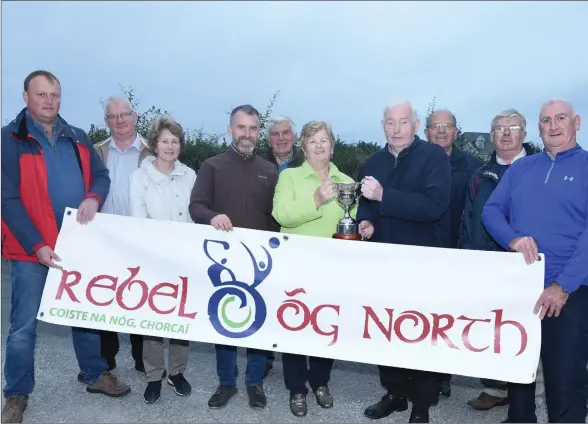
point(396, 154)
point(294, 206)
point(121, 166)
point(287, 159)
point(55, 131)
point(522, 154)
point(64, 175)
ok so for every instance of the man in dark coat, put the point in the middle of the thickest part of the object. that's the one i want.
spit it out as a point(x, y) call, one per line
point(406, 190)
point(442, 130)
point(508, 134)
point(281, 135)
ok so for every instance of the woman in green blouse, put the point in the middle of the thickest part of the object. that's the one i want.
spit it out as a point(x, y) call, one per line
point(305, 204)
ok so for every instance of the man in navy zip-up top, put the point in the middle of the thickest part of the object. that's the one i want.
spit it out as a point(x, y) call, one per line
point(47, 166)
point(541, 206)
point(508, 130)
point(406, 192)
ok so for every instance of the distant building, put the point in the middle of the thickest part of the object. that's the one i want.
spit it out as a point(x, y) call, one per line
point(478, 143)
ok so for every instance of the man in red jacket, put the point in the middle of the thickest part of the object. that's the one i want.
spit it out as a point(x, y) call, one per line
point(47, 166)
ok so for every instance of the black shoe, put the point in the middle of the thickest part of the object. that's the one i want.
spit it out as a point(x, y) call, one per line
point(386, 406)
point(257, 397)
point(298, 404)
point(445, 388)
point(181, 385)
point(419, 415)
point(152, 392)
point(81, 375)
point(221, 397)
point(323, 397)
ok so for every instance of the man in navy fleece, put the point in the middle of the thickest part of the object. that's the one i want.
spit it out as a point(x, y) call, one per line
point(541, 206)
point(406, 192)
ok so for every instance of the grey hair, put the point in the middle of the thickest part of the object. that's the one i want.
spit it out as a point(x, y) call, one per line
point(510, 113)
point(433, 113)
point(553, 101)
point(273, 121)
point(120, 100)
point(398, 103)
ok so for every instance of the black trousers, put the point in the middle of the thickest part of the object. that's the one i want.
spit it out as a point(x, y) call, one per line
point(297, 372)
point(564, 352)
point(421, 387)
point(109, 347)
point(443, 377)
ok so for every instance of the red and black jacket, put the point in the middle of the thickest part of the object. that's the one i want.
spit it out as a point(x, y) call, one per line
point(473, 234)
point(28, 219)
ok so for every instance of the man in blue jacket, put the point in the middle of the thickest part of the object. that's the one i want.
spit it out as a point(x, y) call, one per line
point(47, 166)
point(406, 189)
point(541, 206)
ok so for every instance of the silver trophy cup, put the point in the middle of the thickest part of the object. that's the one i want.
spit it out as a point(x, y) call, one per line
point(347, 195)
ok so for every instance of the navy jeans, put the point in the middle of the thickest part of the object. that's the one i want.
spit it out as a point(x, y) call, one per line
point(564, 352)
point(226, 366)
point(28, 280)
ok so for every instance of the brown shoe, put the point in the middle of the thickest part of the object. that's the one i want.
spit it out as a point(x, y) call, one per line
point(484, 402)
point(14, 406)
point(108, 385)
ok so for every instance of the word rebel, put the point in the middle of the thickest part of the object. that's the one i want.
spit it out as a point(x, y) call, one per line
point(70, 281)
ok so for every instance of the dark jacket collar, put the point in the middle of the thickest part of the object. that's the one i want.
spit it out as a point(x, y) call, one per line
point(527, 146)
point(22, 132)
point(296, 160)
point(235, 154)
point(416, 142)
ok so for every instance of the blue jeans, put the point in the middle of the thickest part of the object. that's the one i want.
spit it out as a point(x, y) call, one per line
point(226, 366)
point(28, 281)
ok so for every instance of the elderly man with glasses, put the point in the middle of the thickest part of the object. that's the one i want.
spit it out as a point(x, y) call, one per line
point(122, 154)
point(508, 132)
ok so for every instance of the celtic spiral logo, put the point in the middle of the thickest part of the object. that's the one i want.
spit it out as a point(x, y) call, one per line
point(234, 290)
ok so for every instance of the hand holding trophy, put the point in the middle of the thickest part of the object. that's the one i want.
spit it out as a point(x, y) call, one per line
point(347, 195)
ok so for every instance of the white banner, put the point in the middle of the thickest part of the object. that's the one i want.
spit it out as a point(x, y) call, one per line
point(452, 311)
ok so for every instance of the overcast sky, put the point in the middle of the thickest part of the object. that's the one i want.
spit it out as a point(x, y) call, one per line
point(336, 61)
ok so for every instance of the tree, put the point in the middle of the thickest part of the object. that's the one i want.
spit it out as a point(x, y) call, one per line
point(535, 147)
point(349, 157)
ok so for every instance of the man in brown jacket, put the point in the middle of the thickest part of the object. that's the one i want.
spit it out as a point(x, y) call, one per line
point(122, 153)
point(236, 189)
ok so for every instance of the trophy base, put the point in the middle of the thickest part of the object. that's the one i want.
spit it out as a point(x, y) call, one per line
point(347, 236)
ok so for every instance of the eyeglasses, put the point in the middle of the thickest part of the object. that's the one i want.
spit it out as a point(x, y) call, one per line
point(502, 128)
point(122, 116)
point(439, 127)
